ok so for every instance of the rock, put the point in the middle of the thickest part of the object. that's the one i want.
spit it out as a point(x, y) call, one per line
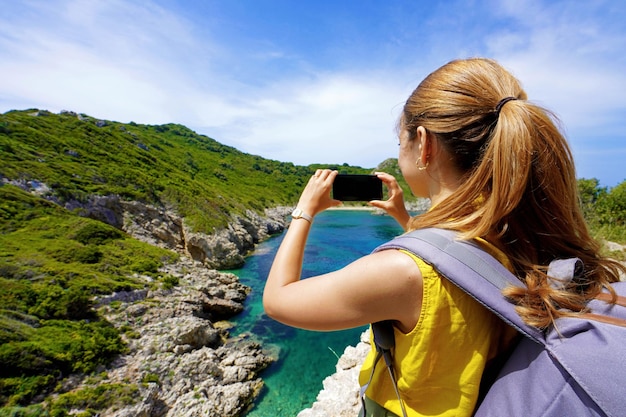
point(614, 247)
point(223, 401)
point(33, 186)
point(106, 209)
point(123, 296)
point(192, 332)
point(192, 366)
point(159, 226)
point(220, 309)
point(340, 395)
point(149, 406)
point(225, 249)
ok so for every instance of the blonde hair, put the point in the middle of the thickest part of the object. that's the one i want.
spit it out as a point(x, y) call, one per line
point(519, 190)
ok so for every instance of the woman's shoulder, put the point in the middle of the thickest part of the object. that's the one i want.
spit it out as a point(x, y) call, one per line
point(426, 270)
point(393, 262)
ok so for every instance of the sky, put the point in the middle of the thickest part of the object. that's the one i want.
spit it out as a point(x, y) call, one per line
point(313, 81)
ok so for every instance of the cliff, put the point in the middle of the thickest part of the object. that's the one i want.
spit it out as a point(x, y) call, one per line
point(179, 359)
point(224, 249)
point(181, 348)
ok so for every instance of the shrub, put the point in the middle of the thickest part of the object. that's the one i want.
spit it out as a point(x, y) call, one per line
point(20, 391)
point(97, 233)
point(30, 411)
point(82, 254)
point(145, 266)
point(611, 207)
point(604, 210)
point(154, 378)
point(169, 281)
point(88, 255)
point(97, 398)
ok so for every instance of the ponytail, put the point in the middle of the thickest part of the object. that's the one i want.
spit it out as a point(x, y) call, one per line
point(519, 189)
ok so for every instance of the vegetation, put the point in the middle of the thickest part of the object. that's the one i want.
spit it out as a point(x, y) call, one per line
point(167, 165)
point(53, 262)
point(605, 210)
point(390, 166)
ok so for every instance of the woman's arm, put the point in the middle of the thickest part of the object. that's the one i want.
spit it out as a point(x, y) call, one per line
point(315, 198)
point(382, 286)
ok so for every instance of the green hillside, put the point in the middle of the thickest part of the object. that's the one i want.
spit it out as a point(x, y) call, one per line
point(166, 165)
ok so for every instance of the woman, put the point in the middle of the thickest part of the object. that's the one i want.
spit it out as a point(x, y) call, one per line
point(497, 170)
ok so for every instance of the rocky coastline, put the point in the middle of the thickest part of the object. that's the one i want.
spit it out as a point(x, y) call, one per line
point(339, 396)
point(179, 349)
point(181, 360)
point(180, 352)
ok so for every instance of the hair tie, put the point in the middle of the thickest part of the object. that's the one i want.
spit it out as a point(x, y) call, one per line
point(502, 102)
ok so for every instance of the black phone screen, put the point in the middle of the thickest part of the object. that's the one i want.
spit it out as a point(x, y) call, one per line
point(357, 187)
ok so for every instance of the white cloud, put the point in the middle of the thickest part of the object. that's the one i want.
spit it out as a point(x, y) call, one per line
point(332, 118)
point(570, 59)
point(567, 59)
point(121, 61)
point(118, 61)
point(127, 60)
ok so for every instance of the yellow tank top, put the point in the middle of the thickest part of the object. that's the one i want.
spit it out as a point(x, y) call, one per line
point(440, 362)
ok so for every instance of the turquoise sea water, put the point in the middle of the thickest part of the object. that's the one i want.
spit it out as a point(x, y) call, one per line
point(305, 358)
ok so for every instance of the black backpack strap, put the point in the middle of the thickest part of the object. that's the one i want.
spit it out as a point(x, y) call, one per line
point(384, 341)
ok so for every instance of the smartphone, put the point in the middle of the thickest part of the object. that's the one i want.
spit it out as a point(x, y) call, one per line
point(356, 187)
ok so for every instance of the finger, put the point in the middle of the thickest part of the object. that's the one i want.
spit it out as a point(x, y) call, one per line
point(384, 176)
point(319, 174)
point(387, 179)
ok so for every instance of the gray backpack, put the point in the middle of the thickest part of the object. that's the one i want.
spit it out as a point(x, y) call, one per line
point(577, 369)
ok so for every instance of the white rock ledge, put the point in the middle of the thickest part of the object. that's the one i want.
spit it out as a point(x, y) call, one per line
point(340, 395)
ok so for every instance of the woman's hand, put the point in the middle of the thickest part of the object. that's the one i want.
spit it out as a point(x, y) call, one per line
point(394, 205)
point(315, 197)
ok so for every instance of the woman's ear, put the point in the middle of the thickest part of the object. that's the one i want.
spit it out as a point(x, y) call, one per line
point(424, 144)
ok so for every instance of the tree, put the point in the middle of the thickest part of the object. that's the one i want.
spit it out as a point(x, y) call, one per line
point(611, 206)
point(590, 192)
